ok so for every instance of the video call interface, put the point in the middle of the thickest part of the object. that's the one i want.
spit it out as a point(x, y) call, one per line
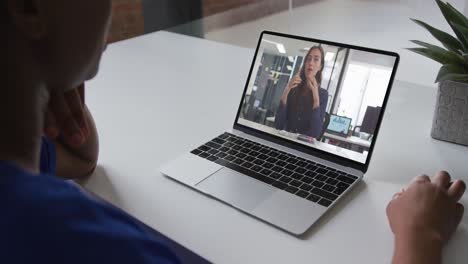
point(325, 97)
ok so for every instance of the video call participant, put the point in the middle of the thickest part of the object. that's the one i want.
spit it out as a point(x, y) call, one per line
point(303, 104)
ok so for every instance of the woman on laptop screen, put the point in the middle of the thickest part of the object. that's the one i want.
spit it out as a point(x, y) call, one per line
point(303, 104)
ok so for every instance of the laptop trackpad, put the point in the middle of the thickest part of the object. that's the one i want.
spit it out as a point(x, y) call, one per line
point(236, 189)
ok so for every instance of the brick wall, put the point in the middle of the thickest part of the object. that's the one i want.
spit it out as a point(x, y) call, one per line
point(127, 20)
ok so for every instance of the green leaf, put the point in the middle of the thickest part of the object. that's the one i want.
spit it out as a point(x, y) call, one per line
point(446, 39)
point(462, 29)
point(439, 54)
point(454, 17)
point(460, 16)
point(452, 72)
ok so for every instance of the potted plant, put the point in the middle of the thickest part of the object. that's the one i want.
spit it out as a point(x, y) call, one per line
point(450, 121)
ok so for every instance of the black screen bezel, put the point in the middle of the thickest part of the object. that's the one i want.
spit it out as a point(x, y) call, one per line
point(301, 147)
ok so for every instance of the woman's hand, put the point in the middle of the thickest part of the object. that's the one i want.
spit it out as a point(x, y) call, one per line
point(66, 116)
point(293, 83)
point(313, 86)
point(424, 217)
point(428, 207)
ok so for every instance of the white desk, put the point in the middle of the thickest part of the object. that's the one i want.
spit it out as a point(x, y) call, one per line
point(162, 94)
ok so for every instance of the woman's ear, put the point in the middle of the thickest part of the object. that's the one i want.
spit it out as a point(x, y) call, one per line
point(27, 16)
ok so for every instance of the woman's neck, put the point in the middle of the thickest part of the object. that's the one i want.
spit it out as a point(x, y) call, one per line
point(22, 104)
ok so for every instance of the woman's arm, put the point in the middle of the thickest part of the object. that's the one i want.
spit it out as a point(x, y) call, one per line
point(293, 83)
point(424, 217)
point(76, 162)
point(318, 115)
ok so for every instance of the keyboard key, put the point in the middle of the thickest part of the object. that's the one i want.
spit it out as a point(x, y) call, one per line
point(282, 157)
point(331, 181)
point(230, 158)
point(311, 167)
point(254, 153)
point(213, 151)
point(224, 149)
point(306, 187)
point(307, 179)
point(332, 174)
point(328, 188)
point(345, 179)
point(281, 163)
point(321, 178)
point(249, 158)
point(256, 168)
point(274, 154)
point(247, 145)
point(301, 163)
point(291, 189)
point(295, 183)
point(310, 174)
point(277, 168)
point(291, 167)
point(300, 170)
point(232, 152)
point(302, 194)
point(219, 141)
point(247, 165)
point(339, 191)
point(314, 198)
point(241, 155)
point(318, 184)
point(275, 175)
point(212, 158)
point(268, 165)
point(238, 161)
point(204, 148)
point(236, 147)
point(221, 155)
point(324, 202)
point(342, 185)
point(213, 145)
point(286, 172)
point(272, 160)
point(228, 145)
point(297, 176)
point(204, 155)
point(258, 162)
point(262, 157)
point(196, 151)
point(224, 136)
point(264, 151)
point(256, 148)
point(292, 160)
point(266, 172)
point(285, 179)
point(324, 194)
point(280, 185)
point(321, 171)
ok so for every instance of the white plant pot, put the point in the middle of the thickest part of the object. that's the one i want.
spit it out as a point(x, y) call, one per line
point(451, 113)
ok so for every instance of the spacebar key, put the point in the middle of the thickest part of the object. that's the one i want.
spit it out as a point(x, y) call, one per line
point(250, 173)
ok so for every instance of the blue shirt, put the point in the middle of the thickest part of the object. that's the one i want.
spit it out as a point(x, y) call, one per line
point(299, 116)
point(45, 219)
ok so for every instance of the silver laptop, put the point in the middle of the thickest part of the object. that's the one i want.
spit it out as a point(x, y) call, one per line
point(278, 163)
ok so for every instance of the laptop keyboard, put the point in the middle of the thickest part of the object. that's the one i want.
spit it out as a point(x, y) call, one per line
point(304, 178)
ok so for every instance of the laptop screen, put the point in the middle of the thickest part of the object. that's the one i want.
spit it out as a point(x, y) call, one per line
point(308, 91)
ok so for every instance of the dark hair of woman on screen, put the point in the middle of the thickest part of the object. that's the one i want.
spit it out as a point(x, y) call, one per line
point(303, 104)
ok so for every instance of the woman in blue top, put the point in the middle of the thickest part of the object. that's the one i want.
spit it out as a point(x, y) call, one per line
point(51, 48)
point(303, 104)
